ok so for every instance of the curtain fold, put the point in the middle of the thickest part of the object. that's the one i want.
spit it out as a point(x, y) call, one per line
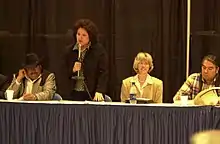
point(204, 18)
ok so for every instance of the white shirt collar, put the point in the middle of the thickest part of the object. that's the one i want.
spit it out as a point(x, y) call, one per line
point(32, 81)
point(76, 47)
point(147, 81)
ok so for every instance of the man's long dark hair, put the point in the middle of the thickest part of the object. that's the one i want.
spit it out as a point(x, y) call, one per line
point(213, 59)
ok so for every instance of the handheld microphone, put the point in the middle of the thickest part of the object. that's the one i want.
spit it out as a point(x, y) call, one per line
point(80, 60)
point(78, 77)
point(79, 56)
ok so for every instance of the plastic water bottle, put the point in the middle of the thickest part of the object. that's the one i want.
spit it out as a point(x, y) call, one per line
point(133, 93)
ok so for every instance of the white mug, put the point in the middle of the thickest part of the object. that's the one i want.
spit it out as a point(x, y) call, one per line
point(184, 100)
point(9, 94)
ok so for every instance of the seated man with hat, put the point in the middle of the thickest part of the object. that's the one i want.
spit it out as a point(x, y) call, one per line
point(33, 82)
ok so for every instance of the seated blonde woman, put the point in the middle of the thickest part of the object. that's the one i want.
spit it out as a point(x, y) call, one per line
point(147, 86)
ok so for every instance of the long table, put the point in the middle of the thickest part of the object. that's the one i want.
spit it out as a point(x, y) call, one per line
point(102, 123)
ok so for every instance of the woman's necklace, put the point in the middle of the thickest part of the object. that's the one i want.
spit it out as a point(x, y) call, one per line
point(141, 81)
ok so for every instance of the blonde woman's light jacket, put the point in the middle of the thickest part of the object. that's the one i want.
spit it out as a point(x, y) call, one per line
point(153, 89)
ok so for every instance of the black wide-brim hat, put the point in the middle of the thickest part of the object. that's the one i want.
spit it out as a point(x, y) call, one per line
point(31, 60)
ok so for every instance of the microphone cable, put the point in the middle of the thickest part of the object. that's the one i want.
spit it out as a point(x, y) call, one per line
point(87, 90)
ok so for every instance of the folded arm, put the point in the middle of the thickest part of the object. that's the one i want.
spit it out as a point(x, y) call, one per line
point(15, 86)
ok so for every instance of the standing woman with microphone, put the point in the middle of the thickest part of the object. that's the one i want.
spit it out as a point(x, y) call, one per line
point(87, 63)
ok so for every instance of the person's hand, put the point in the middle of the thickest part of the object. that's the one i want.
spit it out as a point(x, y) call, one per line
point(178, 97)
point(29, 97)
point(98, 97)
point(77, 66)
point(21, 75)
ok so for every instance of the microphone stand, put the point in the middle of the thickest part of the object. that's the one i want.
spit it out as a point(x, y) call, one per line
point(82, 78)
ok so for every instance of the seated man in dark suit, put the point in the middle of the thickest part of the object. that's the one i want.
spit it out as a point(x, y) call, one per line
point(4, 84)
point(2, 81)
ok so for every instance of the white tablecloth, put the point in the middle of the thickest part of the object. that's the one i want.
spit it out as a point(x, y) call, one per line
point(176, 104)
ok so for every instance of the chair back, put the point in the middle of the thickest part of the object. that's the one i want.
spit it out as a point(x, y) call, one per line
point(57, 97)
point(107, 98)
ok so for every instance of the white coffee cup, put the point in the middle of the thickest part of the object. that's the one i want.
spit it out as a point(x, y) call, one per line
point(184, 100)
point(9, 94)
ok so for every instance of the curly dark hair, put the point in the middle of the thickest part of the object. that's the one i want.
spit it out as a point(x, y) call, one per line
point(89, 26)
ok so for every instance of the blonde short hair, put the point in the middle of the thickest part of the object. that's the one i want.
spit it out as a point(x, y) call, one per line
point(206, 137)
point(140, 57)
